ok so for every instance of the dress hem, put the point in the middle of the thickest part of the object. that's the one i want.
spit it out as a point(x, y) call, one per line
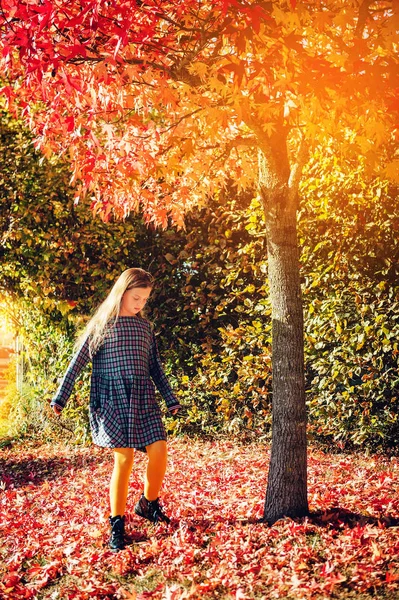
point(141, 448)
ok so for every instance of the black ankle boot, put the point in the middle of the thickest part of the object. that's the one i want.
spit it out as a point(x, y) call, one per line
point(117, 538)
point(150, 510)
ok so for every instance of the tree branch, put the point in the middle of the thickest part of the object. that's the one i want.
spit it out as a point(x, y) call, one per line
point(363, 15)
point(181, 119)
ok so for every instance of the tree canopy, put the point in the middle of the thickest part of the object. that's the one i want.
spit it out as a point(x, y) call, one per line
point(159, 104)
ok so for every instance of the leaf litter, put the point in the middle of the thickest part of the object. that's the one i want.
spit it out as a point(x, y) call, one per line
point(54, 527)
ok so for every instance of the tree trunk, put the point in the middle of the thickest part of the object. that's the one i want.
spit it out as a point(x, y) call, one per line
point(287, 482)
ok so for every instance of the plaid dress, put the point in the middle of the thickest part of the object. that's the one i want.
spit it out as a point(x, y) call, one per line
point(124, 412)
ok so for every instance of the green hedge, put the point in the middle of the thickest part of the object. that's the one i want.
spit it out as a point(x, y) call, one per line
point(351, 288)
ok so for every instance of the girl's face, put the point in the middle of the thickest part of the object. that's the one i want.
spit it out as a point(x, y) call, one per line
point(133, 301)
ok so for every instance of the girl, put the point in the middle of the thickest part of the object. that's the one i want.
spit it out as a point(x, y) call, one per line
point(124, 414)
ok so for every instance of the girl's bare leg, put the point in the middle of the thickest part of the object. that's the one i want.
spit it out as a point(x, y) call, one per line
point(119, 484)
point(156, 469)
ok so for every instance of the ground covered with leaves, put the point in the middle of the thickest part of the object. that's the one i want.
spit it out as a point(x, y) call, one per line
point(54, 529)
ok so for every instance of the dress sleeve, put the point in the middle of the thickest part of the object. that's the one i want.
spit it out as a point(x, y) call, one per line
point(159, 377)
point(77, 364)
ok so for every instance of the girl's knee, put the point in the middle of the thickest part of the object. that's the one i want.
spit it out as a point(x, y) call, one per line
point(157, 451)
point(124, 457)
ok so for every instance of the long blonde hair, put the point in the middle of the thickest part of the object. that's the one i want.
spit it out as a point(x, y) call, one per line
point(107, 313)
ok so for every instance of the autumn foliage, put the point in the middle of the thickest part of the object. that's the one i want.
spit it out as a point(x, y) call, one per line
point(158, 104)
point(53, 528)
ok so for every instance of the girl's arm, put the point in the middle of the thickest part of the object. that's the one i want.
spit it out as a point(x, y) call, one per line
point(79, 361)
point(159, 377)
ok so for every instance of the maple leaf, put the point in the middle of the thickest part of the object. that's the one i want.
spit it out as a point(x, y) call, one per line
point(392, 170)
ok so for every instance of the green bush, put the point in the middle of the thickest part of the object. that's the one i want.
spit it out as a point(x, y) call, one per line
point(47, 349)
point(230, 391)
point(352, 310)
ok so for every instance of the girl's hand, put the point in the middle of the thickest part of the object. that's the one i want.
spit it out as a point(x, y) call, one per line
point(175, 411)
point(57, 410)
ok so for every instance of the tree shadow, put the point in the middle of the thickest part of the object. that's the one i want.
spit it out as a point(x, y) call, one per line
point(336, 517)
point(34, 471)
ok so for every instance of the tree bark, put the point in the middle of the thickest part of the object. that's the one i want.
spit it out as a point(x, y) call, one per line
point(287, 481)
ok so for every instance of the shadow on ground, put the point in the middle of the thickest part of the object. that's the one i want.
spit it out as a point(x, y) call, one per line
point(34, 471)
point(337, 516)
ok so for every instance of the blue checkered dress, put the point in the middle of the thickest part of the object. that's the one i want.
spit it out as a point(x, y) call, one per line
point(124, 412)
